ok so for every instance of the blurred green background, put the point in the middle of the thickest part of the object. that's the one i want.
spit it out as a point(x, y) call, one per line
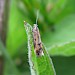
point(56, 23)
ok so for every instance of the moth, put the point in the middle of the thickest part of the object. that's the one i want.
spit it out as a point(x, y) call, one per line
point(37, 41)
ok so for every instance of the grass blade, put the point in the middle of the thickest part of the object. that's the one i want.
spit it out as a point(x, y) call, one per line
point(9, 66)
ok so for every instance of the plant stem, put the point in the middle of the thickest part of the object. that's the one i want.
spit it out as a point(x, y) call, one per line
point(4, 8)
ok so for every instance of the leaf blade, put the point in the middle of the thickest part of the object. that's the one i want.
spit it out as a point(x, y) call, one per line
point(66, 49)
point(9, 67)
point(38, 65)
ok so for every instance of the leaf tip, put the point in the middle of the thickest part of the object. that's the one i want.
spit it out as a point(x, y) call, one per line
point(25, 23)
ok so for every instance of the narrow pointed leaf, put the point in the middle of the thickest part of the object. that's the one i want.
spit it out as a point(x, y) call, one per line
point(39, 65)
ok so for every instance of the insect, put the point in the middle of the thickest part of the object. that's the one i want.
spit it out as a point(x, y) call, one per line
point(37, 41)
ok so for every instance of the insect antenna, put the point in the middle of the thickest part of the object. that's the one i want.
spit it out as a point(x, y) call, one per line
point(37, 16)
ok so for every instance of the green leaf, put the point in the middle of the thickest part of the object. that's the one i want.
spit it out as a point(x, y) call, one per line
point(64, 32)
point(67, 49)
point(9, 66)
point(68, 9)
point(39, 65)
point(16, 31)
point(62, 8)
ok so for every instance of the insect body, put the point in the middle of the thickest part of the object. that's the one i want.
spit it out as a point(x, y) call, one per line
point(37, 41)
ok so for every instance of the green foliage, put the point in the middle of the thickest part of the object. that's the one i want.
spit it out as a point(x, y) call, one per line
point(16, 31)
point(9, 67)
point(57, 26)
point(66, 65)
point(66, 49)
point(38, 64)
point(58, 40)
